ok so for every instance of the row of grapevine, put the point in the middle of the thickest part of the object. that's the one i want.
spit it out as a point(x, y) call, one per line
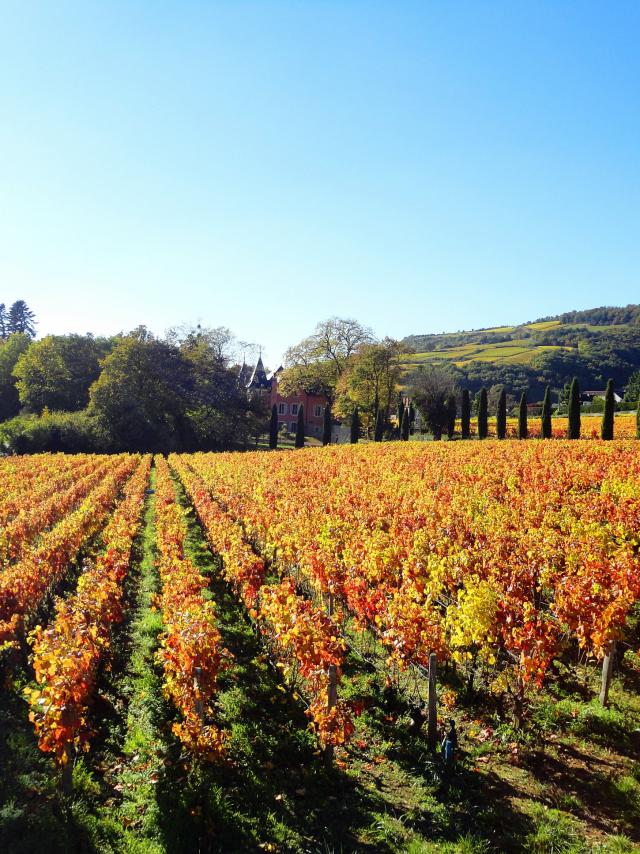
point(192, 654)
point(37, 517)
point(25, 584)
point(67, 653)
point(306, 640)
point(19, 493)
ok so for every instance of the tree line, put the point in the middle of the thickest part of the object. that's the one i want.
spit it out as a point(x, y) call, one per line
point(132, 392)
point(137, 391)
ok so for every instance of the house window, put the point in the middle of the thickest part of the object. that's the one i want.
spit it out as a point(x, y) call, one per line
point(317, 410)
point(282, 409)
point(294, 427)
point(294, 408)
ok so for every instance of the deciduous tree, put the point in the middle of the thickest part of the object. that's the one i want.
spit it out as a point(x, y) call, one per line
point(318, 362)
point(57, 371)
point(10, 351)
point(430, 388)
point(369, 380)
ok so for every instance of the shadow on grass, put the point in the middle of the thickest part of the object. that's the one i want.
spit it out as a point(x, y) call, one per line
point(465, 802)
point(594, 787)
point(273, 789)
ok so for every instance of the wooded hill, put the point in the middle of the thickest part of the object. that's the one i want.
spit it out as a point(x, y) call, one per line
point(594, 345)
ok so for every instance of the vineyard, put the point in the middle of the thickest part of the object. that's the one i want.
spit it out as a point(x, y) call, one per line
point(261, 651)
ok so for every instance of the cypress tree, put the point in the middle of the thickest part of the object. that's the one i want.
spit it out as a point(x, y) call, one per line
point(273, 428)
point(465, 414)
point(501, 415)
point(406, 423)
point(379, 429)
point(400, 414)
point(326, 426)
point(412, 416)
point(355, 426)
point(573, 430)
point(483, 427)
point(606, 429)
point(523, 427)
point(300, 428)
point(638, 420)
point(546, 414)
point(451, 415)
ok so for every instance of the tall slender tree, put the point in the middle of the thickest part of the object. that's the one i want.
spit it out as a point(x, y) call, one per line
point(573, 429)
point(452, 411)
point(465, 414)
point(501, 415)
point(300, 437)
point(355, 426)
point(546, 414)
point(406, 424)
point(379, 429)
point(606, 428)
point(4, 318)
point(412, 417)
point(21, 319)
point(273, 428)
point(638, 420)
point(523, 427)
point(483, 426)
point(401, 406)
point(326, 426)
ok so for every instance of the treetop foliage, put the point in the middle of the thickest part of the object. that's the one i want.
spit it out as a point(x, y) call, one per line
point(17, 320)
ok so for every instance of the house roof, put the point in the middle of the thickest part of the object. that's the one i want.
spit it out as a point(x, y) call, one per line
point(259, 376)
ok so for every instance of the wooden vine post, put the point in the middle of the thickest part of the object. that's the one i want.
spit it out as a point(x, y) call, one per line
point(66, 780)
point(607, 672)
point(432, 721)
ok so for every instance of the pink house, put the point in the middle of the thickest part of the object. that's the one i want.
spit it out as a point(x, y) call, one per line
point(257, 382)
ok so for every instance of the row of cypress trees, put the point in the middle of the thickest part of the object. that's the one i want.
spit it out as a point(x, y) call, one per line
point(405, 416)
point(573, 427)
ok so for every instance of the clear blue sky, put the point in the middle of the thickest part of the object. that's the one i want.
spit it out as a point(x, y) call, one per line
point(422, 166)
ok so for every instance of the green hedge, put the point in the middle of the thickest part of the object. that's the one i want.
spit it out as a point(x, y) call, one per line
point(72, 432)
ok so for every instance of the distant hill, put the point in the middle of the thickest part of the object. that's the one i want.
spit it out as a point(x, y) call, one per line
point(593, 345)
